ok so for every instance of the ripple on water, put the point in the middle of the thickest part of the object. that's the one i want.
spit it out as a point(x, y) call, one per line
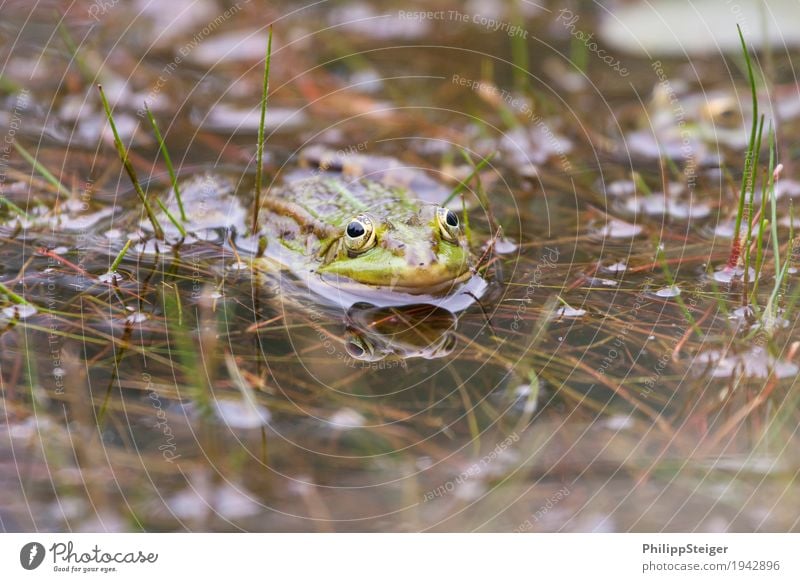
point(568, 311)
point(725, 229)
point(600, 282)
point(753, 363)
point(21, 311)
point(136, 317)
point(688, 209)
point(150, 247)
point(745, 316)
point(616, 228)
point(227, 500)
point(110, 277)
point(727, 274)
point(790, 188)
point(657, 204)
point(241, 414)
point(80, 222)
point(228, 118)
point(619, 188)
point(504, 246)
point(669, 291)
point(618, 267)
point(346, 418)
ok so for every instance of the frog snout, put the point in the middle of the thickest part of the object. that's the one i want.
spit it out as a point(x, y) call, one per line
point(420, 258)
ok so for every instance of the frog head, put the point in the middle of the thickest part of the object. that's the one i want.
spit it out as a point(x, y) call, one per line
point(416, 251)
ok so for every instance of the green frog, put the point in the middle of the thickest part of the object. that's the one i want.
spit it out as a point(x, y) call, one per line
point(350, 237)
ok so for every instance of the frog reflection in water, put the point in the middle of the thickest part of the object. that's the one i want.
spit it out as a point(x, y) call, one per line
point(413, 331)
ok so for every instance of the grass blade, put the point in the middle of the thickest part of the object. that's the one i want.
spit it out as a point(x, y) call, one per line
point(88, 75)
point(123, 156)
point(167, 160)
point(55, 182)
point(14, 208)
point(13, 296)
point(748, 160)
point(120, 256)
point(463, 184)
point(260, 145)
point(767, 191)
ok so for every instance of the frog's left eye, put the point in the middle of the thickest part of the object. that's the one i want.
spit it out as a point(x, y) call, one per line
point(359, 234)
point(449, 226)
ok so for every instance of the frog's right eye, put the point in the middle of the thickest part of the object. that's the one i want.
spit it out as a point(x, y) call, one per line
point(358, 348)
point(448, 224)
point(359, 234)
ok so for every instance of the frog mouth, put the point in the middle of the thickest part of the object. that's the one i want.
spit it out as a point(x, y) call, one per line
point(454, 295)
point(429, 285)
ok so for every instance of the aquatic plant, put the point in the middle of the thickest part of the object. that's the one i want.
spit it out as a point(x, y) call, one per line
point(261, 134)
point(123, 156)
point(168, 161)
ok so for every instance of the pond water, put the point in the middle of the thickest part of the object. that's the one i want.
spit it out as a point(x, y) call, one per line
point(604, 374)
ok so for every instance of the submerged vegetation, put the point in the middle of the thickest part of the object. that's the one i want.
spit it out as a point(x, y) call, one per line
point(633, 356)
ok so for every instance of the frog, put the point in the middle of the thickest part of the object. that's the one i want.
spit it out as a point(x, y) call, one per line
point(349, 228)
point(365, 232)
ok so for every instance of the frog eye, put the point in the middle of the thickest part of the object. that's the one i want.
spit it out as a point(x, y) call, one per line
point(359, 234)
point(448, 224)
point(359, 348)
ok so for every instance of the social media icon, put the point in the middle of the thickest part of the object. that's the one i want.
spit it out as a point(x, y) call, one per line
point(31, 555)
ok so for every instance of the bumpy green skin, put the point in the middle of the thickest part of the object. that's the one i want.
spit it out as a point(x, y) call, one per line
point(410, 255)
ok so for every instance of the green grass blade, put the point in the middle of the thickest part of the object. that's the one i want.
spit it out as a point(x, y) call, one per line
point(55, 182)
point(88, 75)
point(171, 217)
point(13, 296)
point(748, 160)
point(463, 184)
point(260, 145)
point(752, 190)
point(123, 156)
point(167, 160)
point(120, 256)
point(767, 191)
point(519, 50)
point(14, 208)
